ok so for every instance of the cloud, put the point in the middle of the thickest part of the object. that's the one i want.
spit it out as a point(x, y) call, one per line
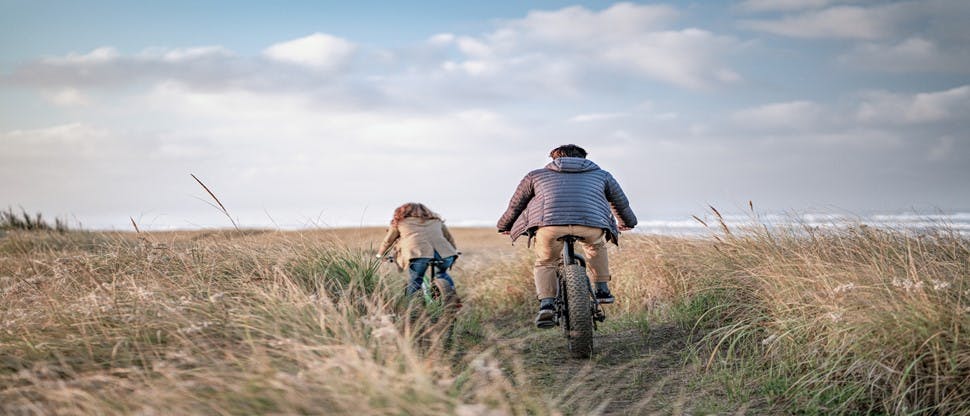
point(96, 56)
point(189, 54)
point(891, 108)
point(320, 123)
point(913, 54)
point(586, 118)
point(577, 24)
point(318, 51)
point(441, 39)
point(792, 115)
point(942, 149)
point(56, 135)
point(297, 65)
point(278, 150)
point(67, 97)
point(562, 49)
point(839, 22)
point(570, 52)
point(782, 5)
point(105, 67)
point(904, 36)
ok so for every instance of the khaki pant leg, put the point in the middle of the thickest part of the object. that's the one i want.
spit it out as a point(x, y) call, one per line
point(594, 246)
point(547, 251)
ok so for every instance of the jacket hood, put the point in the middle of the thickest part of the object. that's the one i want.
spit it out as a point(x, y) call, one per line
point(572, 165)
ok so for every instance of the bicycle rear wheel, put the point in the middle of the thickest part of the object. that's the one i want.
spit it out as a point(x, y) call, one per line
point(579, 334)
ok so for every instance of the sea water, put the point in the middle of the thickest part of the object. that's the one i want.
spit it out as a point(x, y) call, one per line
point(958, 223)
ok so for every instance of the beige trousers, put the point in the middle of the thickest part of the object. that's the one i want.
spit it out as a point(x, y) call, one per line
point(549, 252)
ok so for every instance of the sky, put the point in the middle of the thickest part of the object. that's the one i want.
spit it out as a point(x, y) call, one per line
point(322, 113)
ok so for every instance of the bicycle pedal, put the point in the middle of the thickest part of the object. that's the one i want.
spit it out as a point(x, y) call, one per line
point(599, 316)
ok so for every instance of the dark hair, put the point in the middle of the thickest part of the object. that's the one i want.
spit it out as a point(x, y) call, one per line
point(568, 150)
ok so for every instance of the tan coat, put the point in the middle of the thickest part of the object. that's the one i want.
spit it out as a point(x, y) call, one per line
point(418, 238)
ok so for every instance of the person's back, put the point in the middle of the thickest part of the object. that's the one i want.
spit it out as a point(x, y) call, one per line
point(570, 196)
point(568, 191)
point(420, 236)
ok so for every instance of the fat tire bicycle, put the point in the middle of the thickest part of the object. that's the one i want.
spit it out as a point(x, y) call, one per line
point(577, 310)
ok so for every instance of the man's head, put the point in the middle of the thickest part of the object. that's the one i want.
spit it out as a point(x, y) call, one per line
point(568, 150)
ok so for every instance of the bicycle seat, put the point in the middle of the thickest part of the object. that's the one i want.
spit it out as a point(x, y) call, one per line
point(570, 237)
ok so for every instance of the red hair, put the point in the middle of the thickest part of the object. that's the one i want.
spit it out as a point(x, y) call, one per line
point(413, 210)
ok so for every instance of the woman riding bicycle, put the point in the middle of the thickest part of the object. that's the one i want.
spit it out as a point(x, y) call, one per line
point(423, 236)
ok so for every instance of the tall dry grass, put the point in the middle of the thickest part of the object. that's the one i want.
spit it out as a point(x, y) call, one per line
point(9, 220)
point(225, 323)
point(842, 320)
point(848, 320)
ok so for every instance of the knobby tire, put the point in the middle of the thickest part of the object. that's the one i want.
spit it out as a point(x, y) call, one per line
point(579, 336)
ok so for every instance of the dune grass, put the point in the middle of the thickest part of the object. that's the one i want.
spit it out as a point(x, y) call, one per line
point(10, 220)
point(843, 320)
point(840, 321)
point(817, 321)
point(227, 324)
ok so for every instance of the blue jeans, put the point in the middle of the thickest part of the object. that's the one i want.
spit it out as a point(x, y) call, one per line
point(419, 266)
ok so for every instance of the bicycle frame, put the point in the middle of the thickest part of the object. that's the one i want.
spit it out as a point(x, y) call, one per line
point(428, 288)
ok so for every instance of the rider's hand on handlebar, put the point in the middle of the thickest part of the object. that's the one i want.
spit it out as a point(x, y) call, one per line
point(625, 228)
point(506, 232)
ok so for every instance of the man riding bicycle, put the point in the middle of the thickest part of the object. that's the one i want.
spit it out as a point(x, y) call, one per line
point(570, 196)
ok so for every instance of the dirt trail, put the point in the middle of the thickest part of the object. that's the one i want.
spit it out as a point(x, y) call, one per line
point(634, 371)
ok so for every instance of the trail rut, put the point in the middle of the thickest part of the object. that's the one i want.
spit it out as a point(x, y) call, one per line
point(643, 370)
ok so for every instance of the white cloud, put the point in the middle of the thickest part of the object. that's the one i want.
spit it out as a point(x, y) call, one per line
point(685, 58)
point(67, 97)
point(441, 39)
point(103, 67)
point(99, 55)
point(782, 5)
point(471, 67)
point(318, 51)
point(793, 115)
point(51, 146)
point(886, 107)
point(563, 53)
point(914, 53)
point(560, 49)
point(578, 24)
point(846, 22)
point(473, 47)
point(241, 123)
point(73, 132)
point(591, 117)
point(202, 52)
point(260, 149)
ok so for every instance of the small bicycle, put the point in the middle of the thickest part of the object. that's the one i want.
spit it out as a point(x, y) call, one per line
point(435, 292)
point(440, 303)
point(577, 310)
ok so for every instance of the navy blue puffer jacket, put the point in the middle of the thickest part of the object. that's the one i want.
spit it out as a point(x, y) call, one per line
point(568, 191)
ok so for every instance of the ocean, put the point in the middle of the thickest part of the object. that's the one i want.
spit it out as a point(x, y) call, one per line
point(958, 223)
